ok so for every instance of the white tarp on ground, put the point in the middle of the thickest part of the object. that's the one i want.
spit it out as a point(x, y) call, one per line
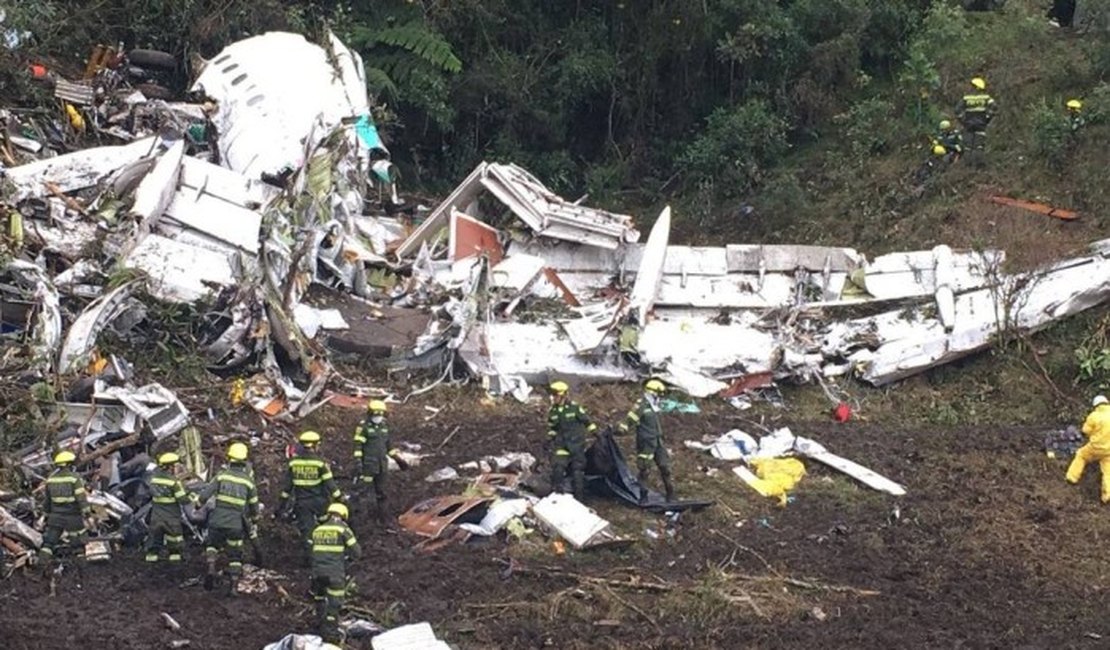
point(278, 97)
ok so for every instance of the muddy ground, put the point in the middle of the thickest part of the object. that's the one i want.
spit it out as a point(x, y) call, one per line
point(990, 548)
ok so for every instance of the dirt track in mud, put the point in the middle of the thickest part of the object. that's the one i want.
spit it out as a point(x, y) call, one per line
point(990, 548)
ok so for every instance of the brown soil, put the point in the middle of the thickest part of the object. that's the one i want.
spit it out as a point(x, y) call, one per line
point(991, 549)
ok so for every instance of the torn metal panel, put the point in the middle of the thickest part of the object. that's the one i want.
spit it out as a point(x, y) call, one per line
point(914, 273)
point(81, 337)
point(279, 96)
point(536, 352)
point(702, 345)
point(895, 345)
point(469, 237)
point(543, 211)
point(80, 92)
point(46, 331)
point(70, 239)
point(595, 321)
point(417, 636)
point(157, 188)
point(515, 273)
point(816, 451)
point(154, 403)
point(205, 178)
point(498, 516)
point(431, 517)
point(180, 272)
point(570, 519)
point(77, 170)
point(223, 222)
point(17, 530)
point(650, 271)
point(786, 258)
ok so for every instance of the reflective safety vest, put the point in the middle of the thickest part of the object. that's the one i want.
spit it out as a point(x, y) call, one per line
point(308, 476)
point(333, 543)
point(65, 494)
point(166, 490)
point(978, 103)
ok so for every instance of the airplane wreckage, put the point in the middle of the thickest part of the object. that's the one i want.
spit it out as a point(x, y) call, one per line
point(287, 233)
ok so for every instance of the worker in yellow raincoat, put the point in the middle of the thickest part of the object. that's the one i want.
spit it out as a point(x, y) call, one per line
point(1097, 429)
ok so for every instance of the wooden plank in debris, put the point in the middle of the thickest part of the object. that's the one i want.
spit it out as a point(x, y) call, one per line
point(1033, 206)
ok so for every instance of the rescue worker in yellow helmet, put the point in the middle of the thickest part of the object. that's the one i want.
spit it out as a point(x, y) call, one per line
point(167, 495)
point(950, 138)
point(1075, 115)
point(644, 417)
point(66, 507)
point(235, 516)
point(372, 452)
point(976, 110)
point(334, 546)
point(567, 425)
point(1097, 429)
point(309, 486)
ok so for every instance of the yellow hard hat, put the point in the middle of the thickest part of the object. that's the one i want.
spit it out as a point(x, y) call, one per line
point(979, 83)
point(64, 457)
point(1075, 104)
point(376, 405)
point(168, 458)
point(309, 438)
point(338, 509)
point(237, 451)
point(945, 125)
point(655, 386)
point(1099, 399)
point(939, 150)
point(559, 387)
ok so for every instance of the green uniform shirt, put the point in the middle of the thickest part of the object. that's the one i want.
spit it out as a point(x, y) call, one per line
point(567, 424)
point(309, 478)
point(236, 497)
point(649, 431)
point(333, 546)
point(168, 494)
point(372, 445)
point(65, 494)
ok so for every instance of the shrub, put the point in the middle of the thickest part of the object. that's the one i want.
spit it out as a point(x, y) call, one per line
point(736, 147)
point(1051, 133)
point(869, 126)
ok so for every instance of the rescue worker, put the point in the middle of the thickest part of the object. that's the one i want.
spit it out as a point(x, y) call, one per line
point(372, 453)
point(950, 138)
point(168, 496)
point(66, 507)
point(976, 110)
point(567, 424)
point(1075, 115)
point(234, 518)
point(334, 546)
point(1097, 429)
point(644, 416)
point(309, 486)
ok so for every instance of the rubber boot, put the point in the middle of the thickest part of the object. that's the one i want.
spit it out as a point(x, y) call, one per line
point(643, 494)
point(668, 487)
point(210, 574)
point(381, 509)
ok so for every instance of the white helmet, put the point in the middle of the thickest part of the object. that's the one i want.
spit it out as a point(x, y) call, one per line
point(1099, 399)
